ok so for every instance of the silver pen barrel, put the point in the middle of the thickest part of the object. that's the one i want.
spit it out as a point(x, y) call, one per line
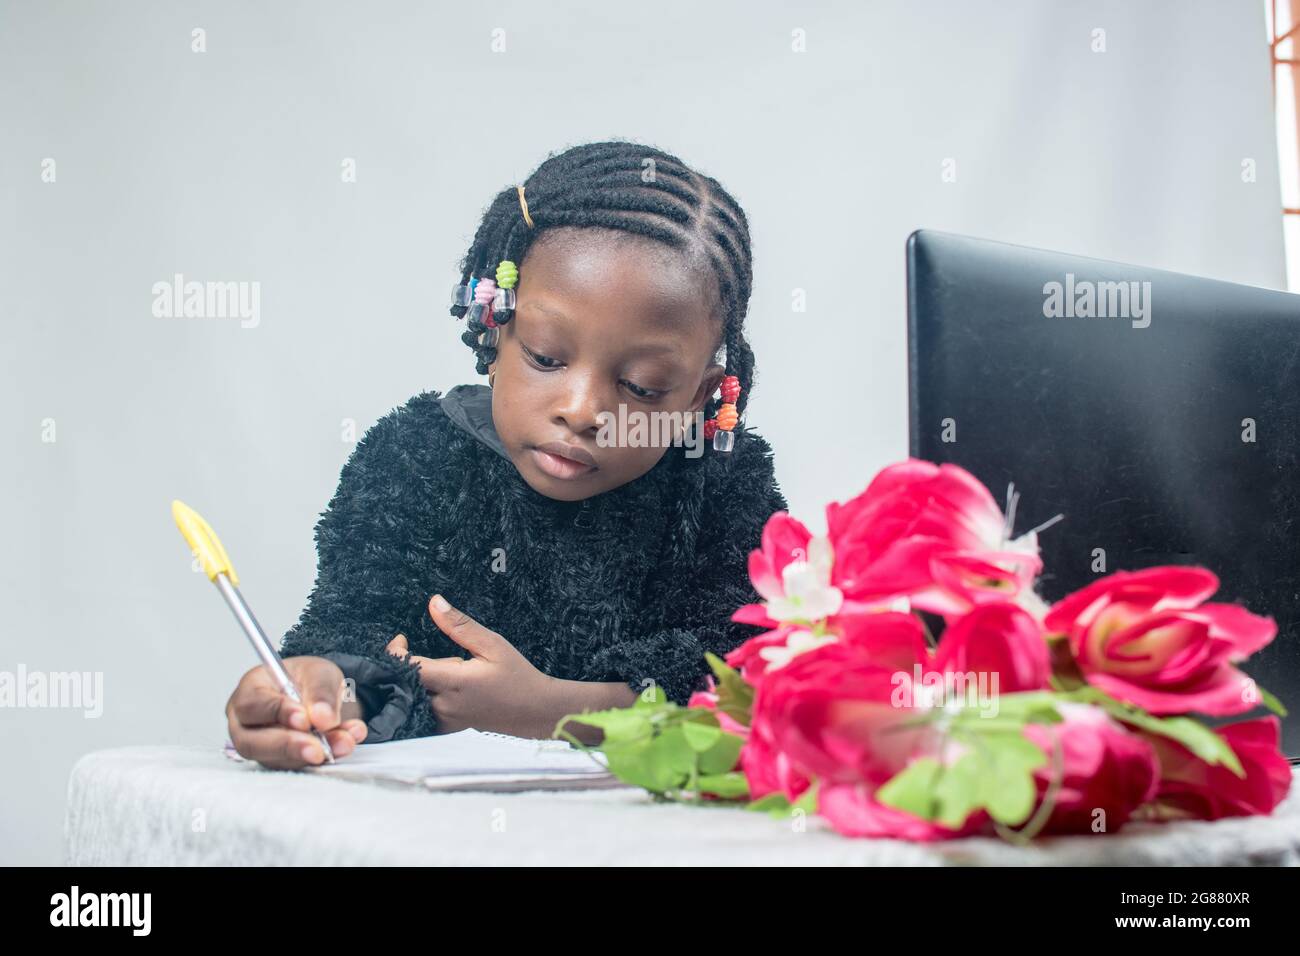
point(262, 645)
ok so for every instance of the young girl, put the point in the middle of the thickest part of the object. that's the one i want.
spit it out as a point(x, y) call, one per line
point(505, 554)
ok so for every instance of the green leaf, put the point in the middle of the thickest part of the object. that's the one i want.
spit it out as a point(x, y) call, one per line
point(728, 785)
point(957, 791)
point(735, 696)
point(1034, 707)
point(700, 737)
point(1203, 742)
point(777, 805)
point(994, 774)
point(657, 698)
point(912, 788)
point(723, 755)
point(639, 769)
point(1271, 702)
point(620, 724)
point(671, 751)
point(773, 804)
point(1007, 787)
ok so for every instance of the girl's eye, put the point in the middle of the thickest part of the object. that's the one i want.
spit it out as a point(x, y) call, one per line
point(545, 361)
point(642, 393)
point(541, 360)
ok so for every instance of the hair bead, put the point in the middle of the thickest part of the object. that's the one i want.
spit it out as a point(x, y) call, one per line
point(507, 274)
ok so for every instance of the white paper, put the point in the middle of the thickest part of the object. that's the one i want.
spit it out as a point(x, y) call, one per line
point(466, 753)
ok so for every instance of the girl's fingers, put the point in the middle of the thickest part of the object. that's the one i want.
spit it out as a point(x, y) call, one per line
point(259, 702)
point(278, 748)
point(357, 729)
point(282, 749)
point(399, 646)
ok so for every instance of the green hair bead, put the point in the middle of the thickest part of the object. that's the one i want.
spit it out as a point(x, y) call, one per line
point(507, 274)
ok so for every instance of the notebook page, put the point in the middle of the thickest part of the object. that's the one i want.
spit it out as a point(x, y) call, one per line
point(466, 752)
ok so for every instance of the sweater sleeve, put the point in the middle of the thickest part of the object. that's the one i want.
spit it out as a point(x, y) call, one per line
point(693, 615)
point(372, 544)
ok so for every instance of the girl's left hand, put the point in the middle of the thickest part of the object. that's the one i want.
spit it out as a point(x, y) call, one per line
point(496, 689)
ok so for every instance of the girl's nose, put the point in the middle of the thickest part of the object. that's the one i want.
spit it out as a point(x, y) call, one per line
point(580, 404)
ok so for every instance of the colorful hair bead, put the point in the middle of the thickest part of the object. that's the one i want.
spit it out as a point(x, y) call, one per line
point(485, 291)
point(730, 389)
point(507, 274)
point(710, 428)
point(727, 417)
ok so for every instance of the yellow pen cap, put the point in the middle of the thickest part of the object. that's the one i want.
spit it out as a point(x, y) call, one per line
point(203, 542)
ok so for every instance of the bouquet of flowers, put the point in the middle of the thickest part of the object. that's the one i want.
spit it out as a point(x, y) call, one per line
point(1015, 718)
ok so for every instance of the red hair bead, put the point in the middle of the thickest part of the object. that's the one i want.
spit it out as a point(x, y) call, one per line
point(710, 426)
point(730, 389)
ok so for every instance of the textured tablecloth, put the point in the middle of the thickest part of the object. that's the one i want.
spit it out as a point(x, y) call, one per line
point(193, 806)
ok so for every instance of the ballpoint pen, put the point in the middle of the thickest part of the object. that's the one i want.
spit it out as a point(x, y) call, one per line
point(206, 546)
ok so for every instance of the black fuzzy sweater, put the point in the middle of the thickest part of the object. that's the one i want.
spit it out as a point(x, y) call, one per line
point(633, 584)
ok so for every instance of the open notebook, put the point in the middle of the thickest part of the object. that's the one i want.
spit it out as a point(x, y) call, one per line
point(471, 760)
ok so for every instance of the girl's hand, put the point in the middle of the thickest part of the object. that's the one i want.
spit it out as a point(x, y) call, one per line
point(497, 689)
point(268, 727)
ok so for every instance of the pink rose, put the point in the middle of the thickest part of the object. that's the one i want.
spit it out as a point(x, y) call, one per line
point(1108, 772)
point(845, 712)
point(1189, 787)
point(1146, 638)
point(931, 533)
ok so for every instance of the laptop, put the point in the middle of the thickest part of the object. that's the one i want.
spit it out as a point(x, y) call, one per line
point(1158, 412)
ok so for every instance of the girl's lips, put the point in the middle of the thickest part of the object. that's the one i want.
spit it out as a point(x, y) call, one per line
point(557, 467)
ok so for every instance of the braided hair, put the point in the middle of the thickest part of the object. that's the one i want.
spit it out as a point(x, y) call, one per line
point(634, 189)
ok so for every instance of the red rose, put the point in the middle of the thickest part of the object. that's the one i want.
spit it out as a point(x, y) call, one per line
point(1107, 772)
point(1189, 787)
point(931, 533)
point(1146, 638)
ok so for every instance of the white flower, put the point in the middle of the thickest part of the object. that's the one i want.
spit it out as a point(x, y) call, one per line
point(798, 642)
point(809, 594)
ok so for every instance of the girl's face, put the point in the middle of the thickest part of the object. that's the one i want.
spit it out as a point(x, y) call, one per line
point(601, 320)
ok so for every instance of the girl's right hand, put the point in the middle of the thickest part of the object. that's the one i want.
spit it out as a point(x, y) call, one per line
point(272, 729)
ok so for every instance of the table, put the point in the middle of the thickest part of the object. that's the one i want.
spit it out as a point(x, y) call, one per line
point(194, 806)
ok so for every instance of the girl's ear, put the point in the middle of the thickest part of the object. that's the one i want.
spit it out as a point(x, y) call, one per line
point(713, 376)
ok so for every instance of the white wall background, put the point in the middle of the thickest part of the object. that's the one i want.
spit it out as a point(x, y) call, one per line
point(226, 166)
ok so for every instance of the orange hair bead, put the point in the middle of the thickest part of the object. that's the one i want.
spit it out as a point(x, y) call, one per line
point(727, 417)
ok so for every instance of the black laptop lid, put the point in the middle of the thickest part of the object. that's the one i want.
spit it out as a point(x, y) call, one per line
point(1160, 413)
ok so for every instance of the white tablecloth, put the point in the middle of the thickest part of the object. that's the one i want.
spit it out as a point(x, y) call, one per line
point(193, 806)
